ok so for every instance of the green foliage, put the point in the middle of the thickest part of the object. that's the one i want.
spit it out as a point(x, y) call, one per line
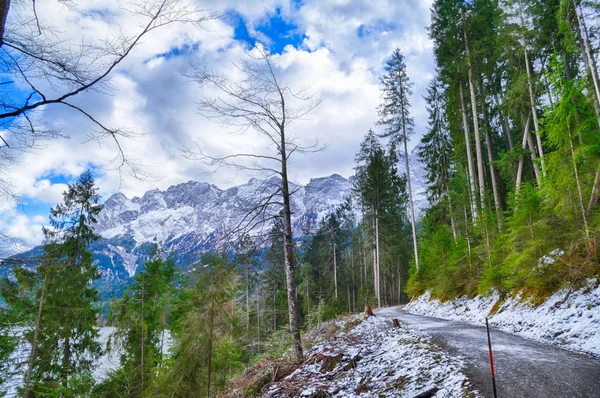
point(57, 300)
point(142, 318)
point(208, 350)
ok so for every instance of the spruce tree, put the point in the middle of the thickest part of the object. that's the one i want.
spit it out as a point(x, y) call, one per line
point(142, 319)
point(398, 124)
point(63, 340)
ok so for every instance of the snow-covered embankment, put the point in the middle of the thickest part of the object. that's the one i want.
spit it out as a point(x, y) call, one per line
point(569, 319)
point(372, 358)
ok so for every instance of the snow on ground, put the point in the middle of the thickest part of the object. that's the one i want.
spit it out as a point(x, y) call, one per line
point(375, 359)
point(569, 319)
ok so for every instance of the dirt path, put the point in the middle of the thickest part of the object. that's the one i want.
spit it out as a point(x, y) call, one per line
point(524, 368)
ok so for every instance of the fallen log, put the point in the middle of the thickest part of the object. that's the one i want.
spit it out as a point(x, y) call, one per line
point(427, 394)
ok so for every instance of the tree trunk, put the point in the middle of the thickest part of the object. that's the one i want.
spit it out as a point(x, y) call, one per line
point(335, 281)
point(520, 168)
point(293, 308)
point(247, 302)
point(452, 222)
point(471, 167)
point(143, 340)
point(478, 152)
point(377, 263)
point(66, 361)
point(36, 330)
point(532, 98)
point(488, 142)
point(413, 221)
point(536, 166)
point(588, 58)
point(590, 63)
point(536, 124)
point(4, 7)
point(211, 320)
point(258, 320)
point(579, 189)
point(274, 310)
point(504, 123)
point(467, 234)
point(595, 188)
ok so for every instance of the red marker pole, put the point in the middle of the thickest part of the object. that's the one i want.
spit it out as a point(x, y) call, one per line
point(487, 326)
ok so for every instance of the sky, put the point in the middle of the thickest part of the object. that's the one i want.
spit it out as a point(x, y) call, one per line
point(333, 48)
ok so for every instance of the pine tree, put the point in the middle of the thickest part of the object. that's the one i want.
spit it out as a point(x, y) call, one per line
point(63, 340)
point(395, 116)
point(274, 278)
point(435, 151)
point(381, 193)
point(142, 320)
point(208, 349)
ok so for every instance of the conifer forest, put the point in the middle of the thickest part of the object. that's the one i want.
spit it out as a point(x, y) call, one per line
point(505, 131)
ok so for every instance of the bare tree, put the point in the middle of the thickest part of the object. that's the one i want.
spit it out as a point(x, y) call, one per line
point(42, 68)
point(259, 103)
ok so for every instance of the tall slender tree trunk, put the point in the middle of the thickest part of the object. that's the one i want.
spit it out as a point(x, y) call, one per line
point(595, 188)
point(452, 222)
point(504, 123)
point(258, 320)
point(34, 342)
point(590, 63)
point(532, 98)
point(521, 158)
point(478, 151)
point(4, 7)
point(579, 189)
point(275, 310)
point(211, 325)
point(536, 166)
point(335, 281)
point(377, 263)
point(536, 124)
point(467, 234)
point(143, 339)
point(489, 145)
point(292, 298)
point(413, 221)
point(471, 167)
point(247, 301)
point(399, 281)
point(589, 60)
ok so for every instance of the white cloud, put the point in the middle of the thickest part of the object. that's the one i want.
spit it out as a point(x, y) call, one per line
point(151, 95)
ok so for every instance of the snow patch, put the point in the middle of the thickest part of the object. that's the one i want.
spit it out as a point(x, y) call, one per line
point(569, 319)
point(129, 260)
point(376, 359)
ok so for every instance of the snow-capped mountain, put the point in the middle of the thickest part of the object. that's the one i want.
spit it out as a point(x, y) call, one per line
point(191, 218)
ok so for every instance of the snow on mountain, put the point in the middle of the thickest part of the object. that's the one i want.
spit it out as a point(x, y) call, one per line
point(189, 218)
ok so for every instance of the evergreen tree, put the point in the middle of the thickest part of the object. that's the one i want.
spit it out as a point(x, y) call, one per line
point(398, 124)
point(382, 195)
point(208, 350)
point(63, 339)
point(274, 279)
point(142, 320)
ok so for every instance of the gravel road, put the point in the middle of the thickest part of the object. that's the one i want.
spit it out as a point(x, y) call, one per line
point(524, 368)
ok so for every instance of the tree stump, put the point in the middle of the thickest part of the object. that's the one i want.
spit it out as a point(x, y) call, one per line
point(396, 323)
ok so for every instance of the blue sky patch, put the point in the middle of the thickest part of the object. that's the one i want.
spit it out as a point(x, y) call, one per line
point(279, 31)
point(364, 31)
point(176, 52)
